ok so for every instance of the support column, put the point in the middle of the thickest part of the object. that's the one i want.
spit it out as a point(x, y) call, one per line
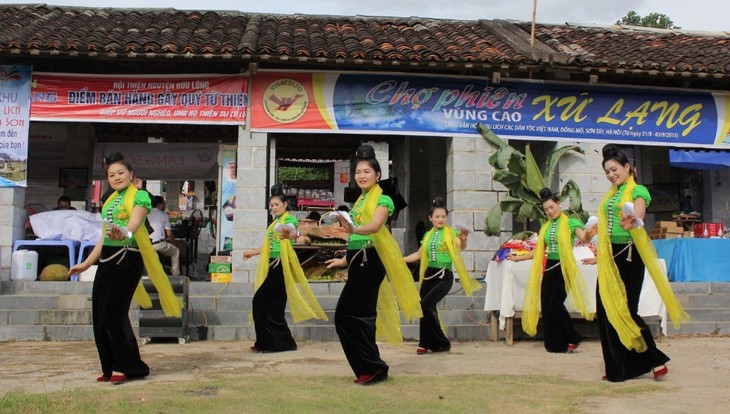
point(249, 219)
point(470, 195)
point(12, 220)
point(587, 171)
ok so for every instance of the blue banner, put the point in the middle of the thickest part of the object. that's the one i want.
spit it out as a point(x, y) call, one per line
point(383, 103)
point(527, 110)
point(14, 123)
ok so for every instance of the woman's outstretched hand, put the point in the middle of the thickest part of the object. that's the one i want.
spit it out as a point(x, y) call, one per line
point(334, 263)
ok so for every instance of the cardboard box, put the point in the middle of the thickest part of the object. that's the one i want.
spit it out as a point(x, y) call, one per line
point(667, 224)
point(219, 268)
point(220, 259)
point(221, 277)
point(675, 230)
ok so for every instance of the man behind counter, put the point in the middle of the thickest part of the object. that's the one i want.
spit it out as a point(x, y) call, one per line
point(162, 235)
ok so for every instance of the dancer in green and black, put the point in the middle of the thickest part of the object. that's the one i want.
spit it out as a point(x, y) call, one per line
point(439, 252)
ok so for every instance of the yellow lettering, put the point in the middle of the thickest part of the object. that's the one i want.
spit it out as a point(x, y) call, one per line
point(569, 112)
point(548, 102)
point(693, 121)
point(615, 109)
point(639, 113)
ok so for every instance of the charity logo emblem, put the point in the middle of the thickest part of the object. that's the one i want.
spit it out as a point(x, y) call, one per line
point(285, 100)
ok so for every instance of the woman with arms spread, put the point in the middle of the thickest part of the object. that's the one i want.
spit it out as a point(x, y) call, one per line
point(371, 251)
point(628, 347)
point(122, 251)
point(551, 280)
point(280, 276)
point(440, 249)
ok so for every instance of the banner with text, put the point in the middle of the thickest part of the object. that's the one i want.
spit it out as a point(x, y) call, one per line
point(14, 123)
point(414, 105)
point(172, 99)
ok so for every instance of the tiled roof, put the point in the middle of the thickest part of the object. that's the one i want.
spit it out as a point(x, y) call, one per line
point(638, 48)
point(332, 40)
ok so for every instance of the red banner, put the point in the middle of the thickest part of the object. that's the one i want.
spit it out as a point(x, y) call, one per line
point(285, 101)
point(173, 99)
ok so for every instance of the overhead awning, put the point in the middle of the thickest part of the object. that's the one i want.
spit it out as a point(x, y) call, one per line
point(699, 160)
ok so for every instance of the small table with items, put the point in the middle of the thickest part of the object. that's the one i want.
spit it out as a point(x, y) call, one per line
point(506, 282)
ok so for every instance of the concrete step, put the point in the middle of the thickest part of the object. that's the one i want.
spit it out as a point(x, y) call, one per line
point(700, 328)
point(46, 332)
point(45, 317)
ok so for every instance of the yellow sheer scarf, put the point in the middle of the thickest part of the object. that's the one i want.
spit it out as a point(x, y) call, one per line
point(171, 304)
point(470, 284)
point(398, 284)
point(575, 285)
point(611, 287)
point(302, 302)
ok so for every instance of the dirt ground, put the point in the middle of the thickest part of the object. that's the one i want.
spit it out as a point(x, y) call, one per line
point(698, 379)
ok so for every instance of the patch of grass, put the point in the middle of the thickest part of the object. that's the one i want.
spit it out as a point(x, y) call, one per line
point(333, 394)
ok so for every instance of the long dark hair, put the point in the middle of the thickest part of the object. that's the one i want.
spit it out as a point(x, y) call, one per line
point(366, 153)
point(115, 157)
point(612, 152)
point(436, 203)
point(546, 195)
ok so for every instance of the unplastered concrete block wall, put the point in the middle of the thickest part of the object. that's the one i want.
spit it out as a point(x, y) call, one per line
point(250, 216)
point(12, 220)
point(470, 195)
point(587, 172)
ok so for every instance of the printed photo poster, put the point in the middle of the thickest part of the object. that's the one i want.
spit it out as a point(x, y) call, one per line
point(228, 199)
point(14, 124)
point(454, 106)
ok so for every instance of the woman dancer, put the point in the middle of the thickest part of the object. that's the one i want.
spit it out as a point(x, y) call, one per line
point(280, 276)
point(440, 249)
point(550, 281)
point(371, 251)
point(122, 251)
point(628, 347)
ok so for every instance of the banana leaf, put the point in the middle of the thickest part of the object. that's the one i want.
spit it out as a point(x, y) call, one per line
point(506, 178)
point(533, 175)
point(555, 156)
point(493, 222)
point(527, 212)
point(491, 137)
point(510, 204)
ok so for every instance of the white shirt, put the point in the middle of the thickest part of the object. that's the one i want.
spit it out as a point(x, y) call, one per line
point(160, 221)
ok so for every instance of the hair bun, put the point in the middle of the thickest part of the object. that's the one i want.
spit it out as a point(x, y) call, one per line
point(112, 157)
point(438, 202)
point(545, 193)
point(365, 152)
point(610, 150)
point(276, 190)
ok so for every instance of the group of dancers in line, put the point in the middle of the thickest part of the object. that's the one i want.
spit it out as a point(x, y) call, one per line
point(369, 305)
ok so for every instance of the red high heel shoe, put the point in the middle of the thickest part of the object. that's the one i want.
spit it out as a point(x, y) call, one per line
point(421, 350)
point(572, 348)
point(103, 378)
point(118, 379)
point(660, 372)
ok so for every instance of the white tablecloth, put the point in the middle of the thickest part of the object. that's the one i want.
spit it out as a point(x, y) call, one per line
point(506, 290)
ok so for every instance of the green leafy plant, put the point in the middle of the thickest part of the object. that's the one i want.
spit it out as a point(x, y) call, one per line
point(520, 174)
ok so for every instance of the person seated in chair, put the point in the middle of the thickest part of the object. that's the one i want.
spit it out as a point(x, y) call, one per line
point(162, 235)
point(63, 203)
